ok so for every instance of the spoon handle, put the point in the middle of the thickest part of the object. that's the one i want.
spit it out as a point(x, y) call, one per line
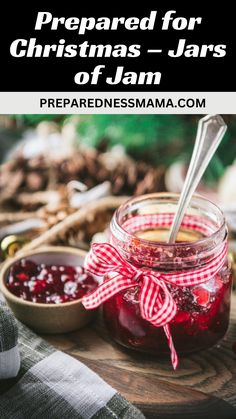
point(210, 132)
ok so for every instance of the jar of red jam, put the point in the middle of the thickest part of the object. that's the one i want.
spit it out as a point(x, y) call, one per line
point(139, 232)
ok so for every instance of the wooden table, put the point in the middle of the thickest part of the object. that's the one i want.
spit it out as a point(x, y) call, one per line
point(204, 385)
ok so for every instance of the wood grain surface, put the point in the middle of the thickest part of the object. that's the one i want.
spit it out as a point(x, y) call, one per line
point(204, 386)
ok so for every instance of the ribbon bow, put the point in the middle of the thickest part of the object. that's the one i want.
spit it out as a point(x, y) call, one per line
point(155, 300)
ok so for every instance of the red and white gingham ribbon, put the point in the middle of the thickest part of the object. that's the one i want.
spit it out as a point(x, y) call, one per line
point(159, 308)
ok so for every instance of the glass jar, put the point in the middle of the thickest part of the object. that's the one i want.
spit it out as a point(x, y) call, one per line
point(202, 310)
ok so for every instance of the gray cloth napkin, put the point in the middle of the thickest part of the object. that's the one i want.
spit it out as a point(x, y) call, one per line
point(9, 350)
point(51, 384)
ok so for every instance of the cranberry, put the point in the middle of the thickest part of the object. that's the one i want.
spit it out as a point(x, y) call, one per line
point(201, 295)
point(39, 286)
point(22, 276)
point(181, 317)
point(49, 284)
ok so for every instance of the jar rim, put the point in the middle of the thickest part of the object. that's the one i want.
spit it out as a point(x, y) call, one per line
point(203, 241)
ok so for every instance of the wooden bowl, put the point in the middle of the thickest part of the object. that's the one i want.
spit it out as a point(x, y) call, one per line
point(47, 318)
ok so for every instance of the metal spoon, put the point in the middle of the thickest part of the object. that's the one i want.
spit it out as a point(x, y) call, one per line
point(210, 132)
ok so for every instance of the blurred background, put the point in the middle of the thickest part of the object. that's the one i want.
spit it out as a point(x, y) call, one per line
point(50, 165)
point(158, 148)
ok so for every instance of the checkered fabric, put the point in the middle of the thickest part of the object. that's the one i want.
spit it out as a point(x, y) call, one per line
point(9, 350)
point(53, 385)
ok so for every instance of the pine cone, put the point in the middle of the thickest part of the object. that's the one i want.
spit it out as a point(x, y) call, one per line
point(90, 166)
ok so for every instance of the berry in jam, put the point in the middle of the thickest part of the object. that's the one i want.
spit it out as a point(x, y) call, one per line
point(49, 284)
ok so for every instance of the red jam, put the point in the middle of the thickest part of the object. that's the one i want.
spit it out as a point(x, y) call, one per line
point(202, 311)
point(49, 284)
point(202, 317)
